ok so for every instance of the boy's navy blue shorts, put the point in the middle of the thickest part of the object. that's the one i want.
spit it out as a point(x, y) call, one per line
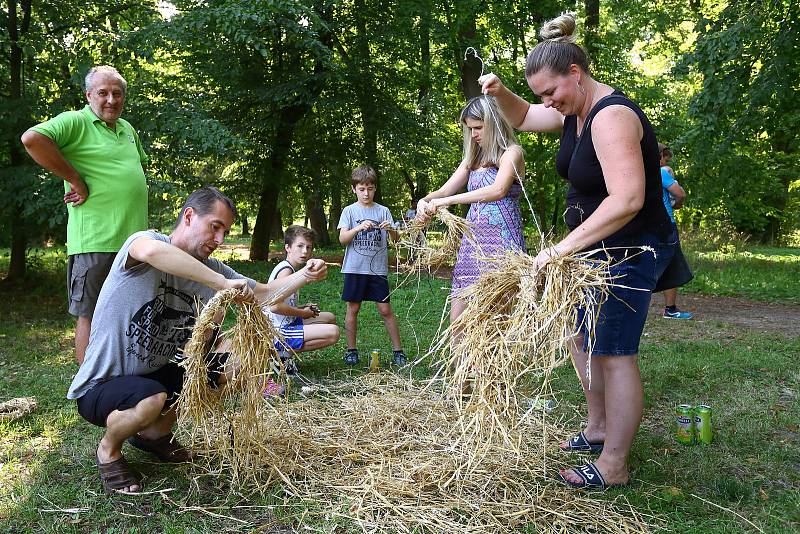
point(361, 287)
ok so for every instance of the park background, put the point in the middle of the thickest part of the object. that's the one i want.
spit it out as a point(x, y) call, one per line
point(276, 101)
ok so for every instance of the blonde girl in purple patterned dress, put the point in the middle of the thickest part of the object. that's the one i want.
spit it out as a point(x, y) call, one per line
point(491, 170)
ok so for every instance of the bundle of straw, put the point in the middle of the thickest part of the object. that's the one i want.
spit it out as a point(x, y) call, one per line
point(515, 327)
point(226, 423)
point(416, 254)
point(15, 408)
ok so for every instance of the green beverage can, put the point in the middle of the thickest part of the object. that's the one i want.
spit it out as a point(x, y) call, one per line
point(702, 424)
point(685, 418)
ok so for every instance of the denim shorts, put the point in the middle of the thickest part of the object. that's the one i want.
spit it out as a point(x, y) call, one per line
point(633, 274)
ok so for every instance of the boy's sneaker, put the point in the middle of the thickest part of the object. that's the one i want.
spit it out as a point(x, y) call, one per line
point(288, 364)
point(399, 358)
point(675, 313)
point(351, 357)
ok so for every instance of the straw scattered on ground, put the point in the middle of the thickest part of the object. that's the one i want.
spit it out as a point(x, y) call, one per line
point(380, 453)
point(15, 408)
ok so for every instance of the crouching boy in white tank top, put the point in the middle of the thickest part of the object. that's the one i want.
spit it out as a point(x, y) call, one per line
point(303, 328)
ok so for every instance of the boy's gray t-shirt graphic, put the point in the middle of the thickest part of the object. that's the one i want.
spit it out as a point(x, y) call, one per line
point(368, 252)
point(143, 319)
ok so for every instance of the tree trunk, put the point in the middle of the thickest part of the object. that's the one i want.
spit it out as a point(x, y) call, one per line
point(782, 144)
point(245, 224)
point(592, 27)
point(470, 67)
point(281, 146)
point(336, 208)
point(316, 216)
point(19, 235)
point(267, 207)
point(367, 93)
point(277, 227)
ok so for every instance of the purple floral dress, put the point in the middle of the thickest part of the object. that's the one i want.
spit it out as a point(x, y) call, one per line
point(497, 227)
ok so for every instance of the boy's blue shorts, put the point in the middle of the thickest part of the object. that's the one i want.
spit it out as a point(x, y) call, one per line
point(361, 287)
point(293, 336)
point(621, 318)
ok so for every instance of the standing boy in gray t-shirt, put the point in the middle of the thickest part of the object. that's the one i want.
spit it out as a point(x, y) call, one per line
point(364, 228)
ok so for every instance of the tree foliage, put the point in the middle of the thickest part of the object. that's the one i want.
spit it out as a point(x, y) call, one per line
point(745, 119)
point(276, 101)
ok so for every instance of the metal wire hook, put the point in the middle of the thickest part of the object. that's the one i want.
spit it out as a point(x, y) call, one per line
point(475, 54)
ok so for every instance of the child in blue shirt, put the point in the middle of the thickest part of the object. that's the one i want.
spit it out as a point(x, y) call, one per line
point(674, 196)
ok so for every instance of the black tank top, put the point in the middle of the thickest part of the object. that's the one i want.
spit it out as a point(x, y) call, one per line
point(577, 163)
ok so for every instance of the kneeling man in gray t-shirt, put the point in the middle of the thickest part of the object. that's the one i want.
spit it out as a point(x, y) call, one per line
point(145, 312)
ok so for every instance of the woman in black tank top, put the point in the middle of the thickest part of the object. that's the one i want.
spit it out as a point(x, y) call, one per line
point(609, 156)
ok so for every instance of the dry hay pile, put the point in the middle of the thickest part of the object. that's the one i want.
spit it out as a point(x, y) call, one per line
point(382, 453)
point(15, 408)
point(513, 333)
point(416, 254)
point(226, 422)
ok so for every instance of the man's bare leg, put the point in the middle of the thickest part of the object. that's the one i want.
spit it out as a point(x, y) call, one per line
point(122, 424)
point(83, 328)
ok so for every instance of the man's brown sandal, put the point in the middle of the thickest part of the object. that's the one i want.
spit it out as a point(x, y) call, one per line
point(116, 476)
point(164, 448)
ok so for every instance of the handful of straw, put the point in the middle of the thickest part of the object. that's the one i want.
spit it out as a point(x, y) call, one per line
point(513, 333)
point(226, 423)
point(419, 254)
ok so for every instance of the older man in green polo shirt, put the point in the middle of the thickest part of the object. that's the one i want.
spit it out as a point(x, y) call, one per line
point(100, 158)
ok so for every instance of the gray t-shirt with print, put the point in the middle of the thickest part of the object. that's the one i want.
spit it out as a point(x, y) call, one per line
point(143, 318)
point(368, 252)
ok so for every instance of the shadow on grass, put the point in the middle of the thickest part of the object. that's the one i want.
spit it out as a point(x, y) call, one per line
point(750, 379)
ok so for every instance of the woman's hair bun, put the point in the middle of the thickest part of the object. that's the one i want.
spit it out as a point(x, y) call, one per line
point(560, 29)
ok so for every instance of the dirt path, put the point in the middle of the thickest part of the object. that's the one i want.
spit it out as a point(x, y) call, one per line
point(749, 314)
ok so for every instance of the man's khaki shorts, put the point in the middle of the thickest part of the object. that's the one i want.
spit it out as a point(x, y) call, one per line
point(85, 276)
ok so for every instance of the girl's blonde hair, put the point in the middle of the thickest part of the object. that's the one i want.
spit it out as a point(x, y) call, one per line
point(497, 134)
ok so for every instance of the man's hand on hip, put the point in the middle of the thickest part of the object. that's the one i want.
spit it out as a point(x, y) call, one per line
point(77, 194)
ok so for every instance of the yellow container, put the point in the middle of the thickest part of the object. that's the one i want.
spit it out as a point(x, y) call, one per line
point(375, 361)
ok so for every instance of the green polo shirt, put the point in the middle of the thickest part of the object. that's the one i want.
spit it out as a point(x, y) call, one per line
point(110, 162)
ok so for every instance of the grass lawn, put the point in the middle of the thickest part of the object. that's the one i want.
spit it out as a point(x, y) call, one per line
point(48, 481)
point(759, 273)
